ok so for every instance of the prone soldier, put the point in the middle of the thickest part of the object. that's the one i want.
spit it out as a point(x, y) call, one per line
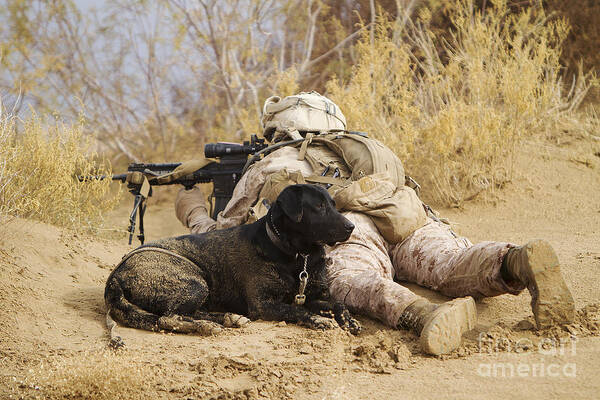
point(397, 237)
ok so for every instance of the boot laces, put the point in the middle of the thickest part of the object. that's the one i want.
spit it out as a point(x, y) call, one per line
point(408, 319)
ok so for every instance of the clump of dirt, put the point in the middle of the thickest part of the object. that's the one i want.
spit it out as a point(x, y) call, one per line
point(382, 355)
point(587, 321)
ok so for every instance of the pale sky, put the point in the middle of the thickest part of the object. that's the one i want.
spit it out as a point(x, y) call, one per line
point(87, 4)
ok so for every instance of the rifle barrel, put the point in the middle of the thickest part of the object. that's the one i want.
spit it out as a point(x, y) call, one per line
point(118, 177)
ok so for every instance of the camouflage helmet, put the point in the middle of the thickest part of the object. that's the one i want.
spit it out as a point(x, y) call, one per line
point(304, 112)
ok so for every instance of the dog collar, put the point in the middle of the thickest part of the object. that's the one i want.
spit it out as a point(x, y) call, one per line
point(275, 237)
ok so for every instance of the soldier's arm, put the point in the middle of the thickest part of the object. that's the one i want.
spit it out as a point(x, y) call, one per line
point(191, 207)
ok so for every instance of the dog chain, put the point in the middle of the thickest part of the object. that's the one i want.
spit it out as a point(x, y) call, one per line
point(301, 297)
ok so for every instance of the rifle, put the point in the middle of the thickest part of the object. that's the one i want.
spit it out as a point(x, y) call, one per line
point(224, 173)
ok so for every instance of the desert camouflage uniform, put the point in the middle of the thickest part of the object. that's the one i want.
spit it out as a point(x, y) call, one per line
point(365, 268)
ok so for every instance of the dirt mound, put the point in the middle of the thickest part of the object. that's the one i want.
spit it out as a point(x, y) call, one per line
point(383, 355)
point(54, 337)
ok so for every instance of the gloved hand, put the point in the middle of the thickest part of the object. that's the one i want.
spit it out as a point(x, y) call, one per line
point(189, 202)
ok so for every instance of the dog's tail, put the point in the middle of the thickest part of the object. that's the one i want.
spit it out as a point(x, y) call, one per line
point(126, 313)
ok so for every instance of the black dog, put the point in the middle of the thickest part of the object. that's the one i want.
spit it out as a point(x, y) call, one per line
point(194, 283)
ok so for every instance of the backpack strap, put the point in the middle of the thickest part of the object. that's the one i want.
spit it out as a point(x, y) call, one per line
point(304, 146)
point(328, 180)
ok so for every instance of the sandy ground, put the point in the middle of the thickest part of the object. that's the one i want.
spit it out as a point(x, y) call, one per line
point(53, 340)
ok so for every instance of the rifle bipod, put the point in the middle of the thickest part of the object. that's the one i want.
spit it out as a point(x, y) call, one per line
point(141, 193)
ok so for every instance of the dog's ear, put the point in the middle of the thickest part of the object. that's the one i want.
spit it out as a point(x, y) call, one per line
point(290, 201)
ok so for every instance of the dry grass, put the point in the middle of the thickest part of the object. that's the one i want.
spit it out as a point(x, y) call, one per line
point(7, 206)
point(456, 117)
point(102, 375)
point(39, 164)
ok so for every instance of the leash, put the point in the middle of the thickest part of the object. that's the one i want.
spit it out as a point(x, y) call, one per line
point(155, 249)
point(301, 297)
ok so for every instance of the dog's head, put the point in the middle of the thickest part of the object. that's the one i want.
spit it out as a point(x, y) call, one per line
point(305, 215)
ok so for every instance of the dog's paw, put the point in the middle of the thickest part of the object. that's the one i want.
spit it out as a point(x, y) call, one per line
point(353, 326)
point(116, 343)
point(321, 323)
point(346, 322)
point(207, 328)
point(235, 321)
point(177, 323)
point(327, 313)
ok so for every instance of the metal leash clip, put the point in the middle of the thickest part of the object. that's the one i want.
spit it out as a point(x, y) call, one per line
point(300, 298)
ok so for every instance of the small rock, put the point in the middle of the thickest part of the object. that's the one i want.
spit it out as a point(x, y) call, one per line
point(305, 349)
point(524, 325)
point(572, 330)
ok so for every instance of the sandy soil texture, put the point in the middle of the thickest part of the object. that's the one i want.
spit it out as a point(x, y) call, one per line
point(53, 339)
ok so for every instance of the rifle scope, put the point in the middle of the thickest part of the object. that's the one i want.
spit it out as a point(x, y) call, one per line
point(215, 150)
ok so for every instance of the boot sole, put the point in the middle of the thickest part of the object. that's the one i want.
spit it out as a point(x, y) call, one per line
point(551, 300)
point(443, 332)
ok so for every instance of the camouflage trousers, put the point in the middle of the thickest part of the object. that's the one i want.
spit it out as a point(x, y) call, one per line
point(365, 269)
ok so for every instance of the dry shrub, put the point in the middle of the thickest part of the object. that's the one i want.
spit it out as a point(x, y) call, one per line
point(39, 164)
point(103, 375)
point(455, 116)
point(7, 206)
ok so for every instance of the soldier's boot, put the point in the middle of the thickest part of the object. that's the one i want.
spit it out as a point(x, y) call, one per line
point(535, 265)
point(439, 326)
